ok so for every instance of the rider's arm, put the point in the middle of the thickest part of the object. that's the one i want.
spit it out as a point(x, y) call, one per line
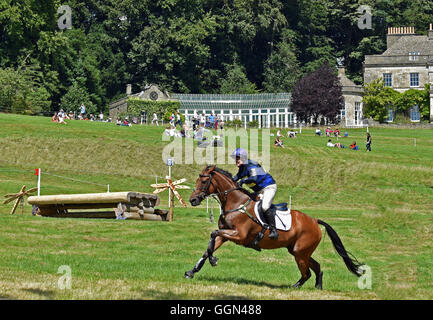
point(252, 177)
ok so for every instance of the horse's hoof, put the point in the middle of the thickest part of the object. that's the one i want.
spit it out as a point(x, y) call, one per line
point(213, 261)
point(189, 274)
point(297, 285)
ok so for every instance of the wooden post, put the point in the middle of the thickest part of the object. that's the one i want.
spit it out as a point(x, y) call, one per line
point(170, 213)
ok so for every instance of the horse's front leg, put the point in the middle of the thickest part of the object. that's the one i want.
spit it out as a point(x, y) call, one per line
point(217, 238)
point(214, 243)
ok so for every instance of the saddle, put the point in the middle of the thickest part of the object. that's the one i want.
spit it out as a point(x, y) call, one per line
point(283, 218)
point(283, 221)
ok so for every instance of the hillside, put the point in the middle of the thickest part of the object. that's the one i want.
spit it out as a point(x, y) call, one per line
point(380, 203)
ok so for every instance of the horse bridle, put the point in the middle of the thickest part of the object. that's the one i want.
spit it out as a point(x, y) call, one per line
point(205, 190)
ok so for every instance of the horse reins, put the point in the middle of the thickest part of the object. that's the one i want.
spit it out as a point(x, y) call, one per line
point(242, 208)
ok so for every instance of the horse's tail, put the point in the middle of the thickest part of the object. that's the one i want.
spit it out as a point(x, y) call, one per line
point(352, 264)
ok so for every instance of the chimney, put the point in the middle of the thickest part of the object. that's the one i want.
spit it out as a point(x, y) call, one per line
point(128, 89)
point(430, 32)
point(395, 33)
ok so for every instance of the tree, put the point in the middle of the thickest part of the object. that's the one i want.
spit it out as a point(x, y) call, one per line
point(318, 94)
point(408, 99)
point(282, 69)
point(378, 100)
point(75, 96)
point(236, 81)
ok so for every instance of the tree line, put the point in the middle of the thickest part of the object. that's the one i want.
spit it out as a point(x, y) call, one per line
point(184, 46)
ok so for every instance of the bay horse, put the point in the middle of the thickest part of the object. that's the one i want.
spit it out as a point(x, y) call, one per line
point(238, 223)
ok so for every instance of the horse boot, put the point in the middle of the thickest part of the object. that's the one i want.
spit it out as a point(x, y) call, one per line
point(270, 217)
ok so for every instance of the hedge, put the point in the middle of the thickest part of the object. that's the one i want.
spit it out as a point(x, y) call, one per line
point(135, 106)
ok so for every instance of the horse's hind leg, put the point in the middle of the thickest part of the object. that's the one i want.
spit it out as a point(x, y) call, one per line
point(304, 267)
point(315, 266)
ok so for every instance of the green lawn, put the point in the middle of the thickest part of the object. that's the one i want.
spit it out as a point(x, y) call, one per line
point(380, 203)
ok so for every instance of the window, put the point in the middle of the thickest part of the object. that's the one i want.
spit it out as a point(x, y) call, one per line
point(415, 115)
point(387, 79)
point(414, 79)
point(414, 56)
point(390, 116)
point(357, 112)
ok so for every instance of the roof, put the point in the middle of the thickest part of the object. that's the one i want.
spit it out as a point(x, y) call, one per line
point(410, 43)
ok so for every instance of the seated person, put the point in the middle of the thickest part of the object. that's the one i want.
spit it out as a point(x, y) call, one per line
point(278, 142)
point(318, 132)
point(336, 145)
point(118, 121)
point(353, 146)
point(279, 133)
point(54, 118)
point(346, 134)
point(337, 133)
point(291, 134)
point(328, 131)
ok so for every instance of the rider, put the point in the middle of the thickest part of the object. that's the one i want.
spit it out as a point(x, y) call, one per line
point(252, 173)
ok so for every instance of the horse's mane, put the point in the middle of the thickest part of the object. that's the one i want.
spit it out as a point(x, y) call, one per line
point(230, 176)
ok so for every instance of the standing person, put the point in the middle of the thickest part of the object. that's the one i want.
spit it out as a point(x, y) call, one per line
point(155, 118)
point(178, 119)
point(101, 116)
point(368, 145)
point(83, 111)
point(172, 119)
point(202, 120)
point(252, 173)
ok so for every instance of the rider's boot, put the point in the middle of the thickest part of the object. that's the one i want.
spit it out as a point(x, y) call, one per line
point(270, 217)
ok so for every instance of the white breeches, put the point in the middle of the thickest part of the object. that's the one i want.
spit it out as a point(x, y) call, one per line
point(268, 194)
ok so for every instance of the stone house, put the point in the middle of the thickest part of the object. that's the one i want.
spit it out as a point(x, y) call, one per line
point(150, 92)
point(351, 115)
point(406, 64)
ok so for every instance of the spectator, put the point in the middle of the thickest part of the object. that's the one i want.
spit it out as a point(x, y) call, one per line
point(101, 117)
point(202, 120)
point(336, 145)
point(346, 134)
point(172, 118)
point(119, 121)
point(291, 134)
point(353, 146)
point(126, 122)
point(328, 131)
point(278, 142)
point(143, 115)
point(279, 133)
point(318, 132)
point(212, 120)
point(83, 111)
point(221, 122)
point(337, 133)
point(368, 145)
point(61, 117)
point(155, 119)
point(178, 120)
point(70, 115)
point(54, 118)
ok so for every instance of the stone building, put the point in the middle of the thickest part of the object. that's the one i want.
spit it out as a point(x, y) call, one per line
point(150, 92)
point(407, 63)
point(352, 114)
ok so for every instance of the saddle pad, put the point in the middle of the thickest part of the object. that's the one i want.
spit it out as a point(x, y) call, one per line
point(283, 219)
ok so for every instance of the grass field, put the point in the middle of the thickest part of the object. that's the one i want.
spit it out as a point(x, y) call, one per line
point(380, 203)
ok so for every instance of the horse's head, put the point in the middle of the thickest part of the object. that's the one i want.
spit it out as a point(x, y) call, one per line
point(203, 186)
